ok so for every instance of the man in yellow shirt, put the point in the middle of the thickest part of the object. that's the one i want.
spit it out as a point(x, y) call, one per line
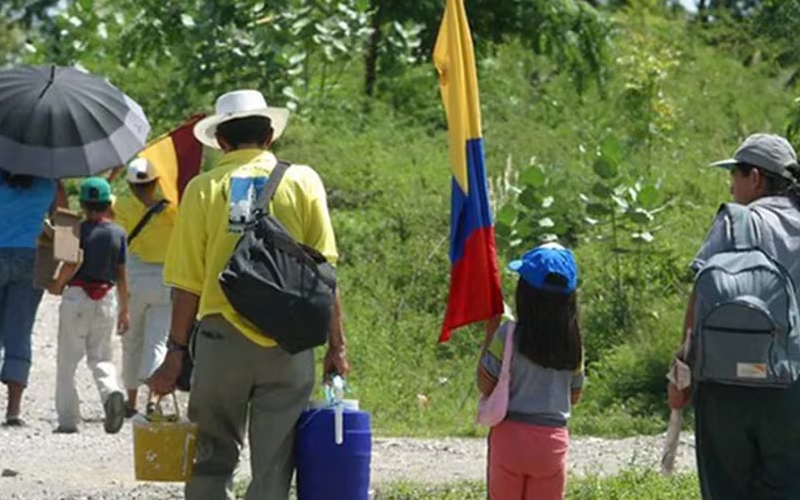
point(145, 344)
point(239, 371)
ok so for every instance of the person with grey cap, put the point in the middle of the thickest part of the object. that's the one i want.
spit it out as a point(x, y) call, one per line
point(745, 391)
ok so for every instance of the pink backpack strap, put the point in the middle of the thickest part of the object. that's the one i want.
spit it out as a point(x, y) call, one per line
point(508, 348)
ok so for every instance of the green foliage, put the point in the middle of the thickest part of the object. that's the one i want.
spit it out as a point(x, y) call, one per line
point(761, 32)
point(624, 217)
point(632, 484)
point(647, 61)
point(639, 485)
point(531, 210)
point(793, 126)
point(672, 101)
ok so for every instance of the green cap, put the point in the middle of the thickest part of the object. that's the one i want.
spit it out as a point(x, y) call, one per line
point(769, 152)
point(95, 189)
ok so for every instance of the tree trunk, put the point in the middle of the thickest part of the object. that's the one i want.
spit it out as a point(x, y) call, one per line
point(702, 10)
point(373, 49)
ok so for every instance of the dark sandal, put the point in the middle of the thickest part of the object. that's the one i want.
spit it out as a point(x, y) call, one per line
point(14, 422)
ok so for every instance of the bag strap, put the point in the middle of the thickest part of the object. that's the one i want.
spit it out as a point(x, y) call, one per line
point(743, 229)
point(151, 211)
point(508, 348)
point(275, 178)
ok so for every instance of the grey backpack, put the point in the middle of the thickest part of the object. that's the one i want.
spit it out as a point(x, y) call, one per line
point(746, 315)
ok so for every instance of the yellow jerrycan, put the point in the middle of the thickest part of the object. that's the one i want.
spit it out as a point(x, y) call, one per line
point(164, 445)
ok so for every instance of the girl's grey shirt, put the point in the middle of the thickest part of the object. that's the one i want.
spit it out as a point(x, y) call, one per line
point(537, 395)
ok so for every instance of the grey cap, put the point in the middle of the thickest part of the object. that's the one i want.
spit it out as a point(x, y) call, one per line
point(769, 152)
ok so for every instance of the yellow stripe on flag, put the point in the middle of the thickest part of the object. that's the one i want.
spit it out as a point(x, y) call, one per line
point(454, 59)
point(162, 154)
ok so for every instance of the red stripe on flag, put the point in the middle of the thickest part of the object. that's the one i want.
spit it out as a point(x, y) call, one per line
point(188, 151)
point(474, 280)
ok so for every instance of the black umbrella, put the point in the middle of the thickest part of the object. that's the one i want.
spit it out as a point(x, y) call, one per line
point(62, 122)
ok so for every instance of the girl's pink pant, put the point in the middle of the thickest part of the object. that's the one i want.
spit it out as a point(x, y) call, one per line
point(527, 462)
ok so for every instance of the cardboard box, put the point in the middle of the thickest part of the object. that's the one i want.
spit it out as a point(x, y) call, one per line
point(46, 264)
point(58, 242)
point(67, 237)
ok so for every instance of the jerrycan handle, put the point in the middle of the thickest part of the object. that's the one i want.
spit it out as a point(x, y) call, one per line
point(334, 394)
point(158, 415)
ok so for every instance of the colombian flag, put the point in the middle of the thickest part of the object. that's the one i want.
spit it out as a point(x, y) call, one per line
point(475, 293)
point(177, 156)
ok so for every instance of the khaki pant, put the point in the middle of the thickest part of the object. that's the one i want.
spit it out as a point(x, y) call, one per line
point(85, 328)
point(235, 381)
point(145, 344)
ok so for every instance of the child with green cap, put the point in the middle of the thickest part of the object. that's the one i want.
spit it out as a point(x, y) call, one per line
point(90, 313)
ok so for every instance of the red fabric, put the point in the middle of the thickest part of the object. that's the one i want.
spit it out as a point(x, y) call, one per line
point(95, 291)
point(474, 280)
point(527, 462)
point(188, 151)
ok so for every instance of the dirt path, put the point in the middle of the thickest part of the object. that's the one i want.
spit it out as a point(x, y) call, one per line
point(36, 464)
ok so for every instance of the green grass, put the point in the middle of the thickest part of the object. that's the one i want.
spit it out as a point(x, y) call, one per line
point(630, 485)
point(385, 165)
point(389, 192)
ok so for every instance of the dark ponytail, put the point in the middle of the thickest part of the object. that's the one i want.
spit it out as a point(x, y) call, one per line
point(793, 190)
point(16, 181)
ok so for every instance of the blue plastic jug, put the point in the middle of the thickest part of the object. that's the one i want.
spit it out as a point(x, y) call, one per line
point(330, 471)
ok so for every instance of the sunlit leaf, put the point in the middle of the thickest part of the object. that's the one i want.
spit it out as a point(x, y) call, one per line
point(546, 222)
point(645, 237)
point(649, 196)
point(506, 216)
point(611, 150)
point(621, 202)
point(187, 21)
point(533, 177)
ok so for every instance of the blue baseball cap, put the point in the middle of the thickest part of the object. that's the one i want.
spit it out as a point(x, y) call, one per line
point(550, 258)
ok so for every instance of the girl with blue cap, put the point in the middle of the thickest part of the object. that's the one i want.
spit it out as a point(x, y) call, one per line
point(528, 448)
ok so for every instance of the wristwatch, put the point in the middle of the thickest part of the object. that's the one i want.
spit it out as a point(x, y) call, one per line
point(174, 346)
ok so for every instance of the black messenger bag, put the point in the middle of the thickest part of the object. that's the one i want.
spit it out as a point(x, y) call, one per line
point(283, 287)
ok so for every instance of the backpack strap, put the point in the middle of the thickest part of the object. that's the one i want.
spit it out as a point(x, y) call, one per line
point(159, 207)
point(275, 178)
point(508, 348)
point(743, 231)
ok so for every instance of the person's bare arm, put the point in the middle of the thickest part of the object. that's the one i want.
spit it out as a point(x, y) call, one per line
point(677, 398)
point(688, 319)
point(336, 358)
point(575, 396)
point(486, 382)
point(491, 326)
point(65, 273)
point(122, 286)
point(336, 335)
point(124, 317)
point(184, 311)
point(61, 200)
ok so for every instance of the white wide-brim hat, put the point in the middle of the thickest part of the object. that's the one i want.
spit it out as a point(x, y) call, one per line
point(239, 104)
